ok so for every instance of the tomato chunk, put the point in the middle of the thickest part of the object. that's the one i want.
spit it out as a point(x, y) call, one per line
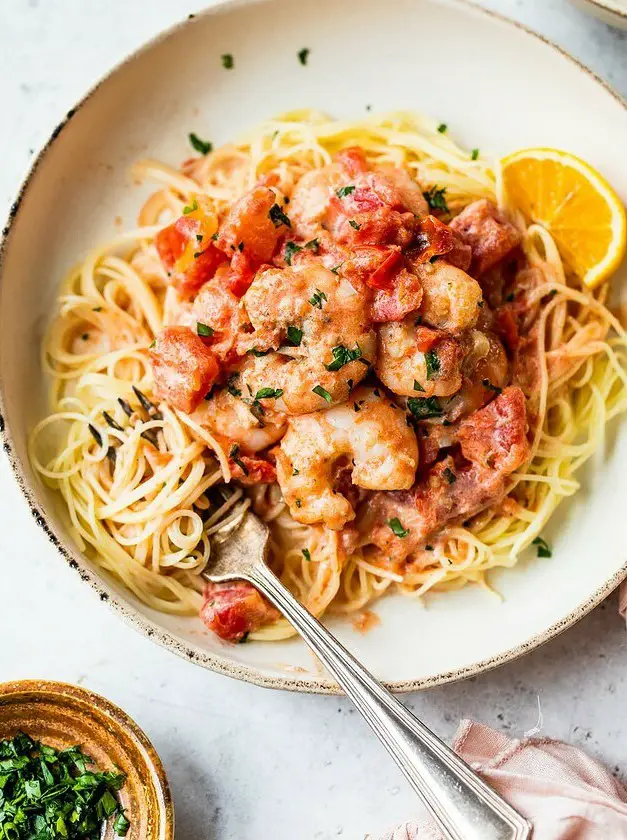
point(404, 296)
point(183, 368)
point(436, 239)
point(252, 227)
point(490, 235)
point(186, 247)
point(250, 469)
point(232, 610)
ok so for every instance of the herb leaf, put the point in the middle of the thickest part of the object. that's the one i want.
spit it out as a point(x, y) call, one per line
point(397, 528)
point(234, 454)
point(487, 384)
point(354, 224)
point(436, 199)
point(189, 208)
point(543, 547)
point(204, 330)
point(294, 336)
point(475, 154)
point(433, 364)
point(344, 191)
point(202, 146)
point(313, 245)
point(317, 299)
point(303, 55)
point(268, 393)
point(449, 475)
point(424, 407)
point(227, 61)
point(231, 387)
point(322, 393)
point(291, 248)
point(442, 128)
point(342, 356)
point(306, 554)
point(418, 386)
point(278, 217)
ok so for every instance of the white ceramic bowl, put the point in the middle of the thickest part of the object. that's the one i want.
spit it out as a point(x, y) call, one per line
point(613, 12)
point(498, 87)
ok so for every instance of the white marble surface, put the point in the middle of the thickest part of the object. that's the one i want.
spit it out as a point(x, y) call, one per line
point(245, 762)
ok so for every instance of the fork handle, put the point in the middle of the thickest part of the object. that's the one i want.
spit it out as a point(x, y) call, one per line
point(463, 805)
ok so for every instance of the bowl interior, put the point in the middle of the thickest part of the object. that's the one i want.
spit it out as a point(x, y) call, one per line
point(63, 716)
point(498, 88)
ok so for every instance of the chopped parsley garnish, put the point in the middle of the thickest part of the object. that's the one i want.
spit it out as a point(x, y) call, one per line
point(349, 382)
point(254, 352)
point(189, 208)
point(313, 245)
point(47, 793)
point(322, 393)
point(201, 146)
point(295, 471)
point(291, 248)
point(299, 503)
point(234, 454)
point(424, 407)
point(418, 386)
point(487, 384)
point(475, 154)
point(357, 406)
point(199, 237)
point(397, 528)
point(543, 547)
point(303, 55)
point(342, 356)
point(278, 217)
point(344, 191)
point(336, 268)
point(442, 128)
point(294, 336)
point(428, 548)
point(227, 61)
point(231, 387)
point(510, 297)
point(204, 330)
point(317, 299)
point(268, 393)
point(354, 224)
point(436, 199)
point(306, 554)
point(449, 475)
point(240, 247)
point(433, 364)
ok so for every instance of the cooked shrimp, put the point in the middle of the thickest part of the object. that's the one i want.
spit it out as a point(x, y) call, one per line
point(413, 360)
point(324, 320)
point(451, 300)
point(240, 421)
point(370, 431)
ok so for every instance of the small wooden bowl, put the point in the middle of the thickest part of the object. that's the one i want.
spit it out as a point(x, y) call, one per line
point(63, 715)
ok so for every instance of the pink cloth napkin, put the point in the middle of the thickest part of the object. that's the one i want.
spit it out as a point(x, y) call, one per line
point(564, 793)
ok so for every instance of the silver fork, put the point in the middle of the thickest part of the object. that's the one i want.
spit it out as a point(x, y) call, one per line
point(463, 805)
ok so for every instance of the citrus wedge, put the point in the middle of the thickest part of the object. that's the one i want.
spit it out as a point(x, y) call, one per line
point(571, 200)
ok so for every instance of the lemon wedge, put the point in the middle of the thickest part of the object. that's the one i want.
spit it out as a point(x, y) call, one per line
point(571, 200)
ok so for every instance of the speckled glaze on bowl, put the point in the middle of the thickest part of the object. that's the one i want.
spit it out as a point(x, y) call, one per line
point(63, 715)
point(613, 12)
point(503, 88)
